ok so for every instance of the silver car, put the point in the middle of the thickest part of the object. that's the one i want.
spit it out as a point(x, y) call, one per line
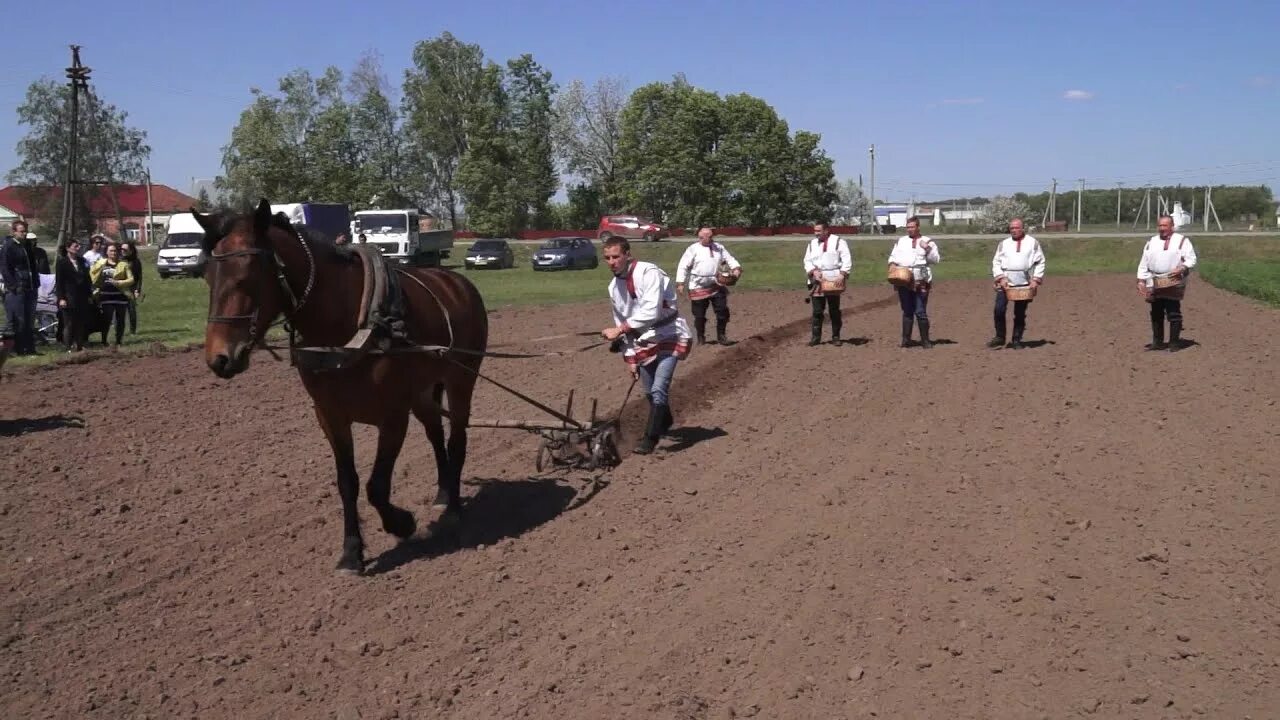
point(566, 253)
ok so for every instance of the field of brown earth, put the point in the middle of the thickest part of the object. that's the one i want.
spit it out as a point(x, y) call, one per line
point(1079, 528)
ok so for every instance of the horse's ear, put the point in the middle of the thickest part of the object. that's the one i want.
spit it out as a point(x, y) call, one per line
point(262, 219)
point(210, 228)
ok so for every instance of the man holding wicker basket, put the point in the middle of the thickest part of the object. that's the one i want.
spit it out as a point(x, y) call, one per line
point(827, 263)
point(1018, 269)
point(1166, 262)
point(910, 273)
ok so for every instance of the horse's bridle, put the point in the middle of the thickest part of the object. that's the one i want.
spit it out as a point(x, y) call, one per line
point(274, 260)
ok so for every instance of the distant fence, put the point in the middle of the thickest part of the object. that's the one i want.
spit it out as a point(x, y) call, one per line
point(729, 231)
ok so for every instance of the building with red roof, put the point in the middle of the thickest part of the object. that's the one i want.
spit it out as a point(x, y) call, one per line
point(43, 205)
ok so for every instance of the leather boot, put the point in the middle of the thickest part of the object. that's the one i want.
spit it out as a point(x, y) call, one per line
point(1157, 335)
point(925, 342)
point(908, 324)
point(1018, 328)
point(667, 419)
point(700, 327)
point(998, 340)
point(652, 430)
point(721, 336)
point(816, 336)
point(1175, 335)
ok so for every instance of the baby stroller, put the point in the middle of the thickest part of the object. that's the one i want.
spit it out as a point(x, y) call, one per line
point(46, 312)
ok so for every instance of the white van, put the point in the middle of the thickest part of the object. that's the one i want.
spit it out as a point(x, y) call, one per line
point(180, 253)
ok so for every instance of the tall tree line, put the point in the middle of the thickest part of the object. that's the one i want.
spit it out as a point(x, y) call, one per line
point(485, 144)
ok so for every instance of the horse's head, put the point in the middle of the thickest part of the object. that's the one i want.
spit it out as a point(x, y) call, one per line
point(246, 293)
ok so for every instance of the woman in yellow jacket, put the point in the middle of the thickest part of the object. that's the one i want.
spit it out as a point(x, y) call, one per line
point(112, 280)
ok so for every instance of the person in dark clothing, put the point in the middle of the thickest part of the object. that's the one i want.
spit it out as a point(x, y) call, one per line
point(74, 291)
point(112, 282)
point(129, 254)
point(21, 283)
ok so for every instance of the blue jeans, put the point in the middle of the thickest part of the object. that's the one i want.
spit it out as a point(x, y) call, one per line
point(656, 378)
point(913, 302)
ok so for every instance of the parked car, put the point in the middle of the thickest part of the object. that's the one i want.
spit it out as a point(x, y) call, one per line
point(631, 227)
point(567, 253)
point(490, 254)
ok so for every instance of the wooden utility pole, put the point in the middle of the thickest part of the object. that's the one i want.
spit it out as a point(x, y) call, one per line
point(77, 80)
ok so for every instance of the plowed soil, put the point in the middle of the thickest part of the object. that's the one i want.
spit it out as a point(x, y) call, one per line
point(1077, 528)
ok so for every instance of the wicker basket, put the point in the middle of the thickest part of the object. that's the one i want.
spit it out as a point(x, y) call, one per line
point(1020, 292)
point(902, 276)
point(1168, 286)
point(726, 279)
point(832, 286)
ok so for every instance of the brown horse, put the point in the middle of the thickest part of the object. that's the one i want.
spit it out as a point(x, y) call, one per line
point(260, 268)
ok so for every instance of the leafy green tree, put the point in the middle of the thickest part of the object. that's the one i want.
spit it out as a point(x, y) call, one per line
point(812, 180)
point(110, 151)
point(753, 156)
point(441, 91)
point(587, 133)
point(484, 179)
point(529, 93)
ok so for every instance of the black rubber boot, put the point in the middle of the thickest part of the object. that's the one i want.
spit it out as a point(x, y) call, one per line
point(652, 431)
point(1175, 335)
point(721, 335)
point(667, 420)
point(816, 336)
point(1157, 335)
point(908, 324)
point(1018, 328)
point(998, 340)
point(700, 327)
point(925, 342)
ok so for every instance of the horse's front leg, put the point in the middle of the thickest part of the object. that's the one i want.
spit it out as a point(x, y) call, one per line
point(339, 434)
point(397, 521)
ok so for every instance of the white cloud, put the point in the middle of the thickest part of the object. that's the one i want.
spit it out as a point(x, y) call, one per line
point(1261, 80)
point(1077, 95)
point(963, 101)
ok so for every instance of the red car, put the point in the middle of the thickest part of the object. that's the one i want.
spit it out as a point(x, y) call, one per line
point(631, 227)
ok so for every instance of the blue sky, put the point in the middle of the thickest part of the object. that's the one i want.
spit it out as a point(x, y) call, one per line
point(978, 98)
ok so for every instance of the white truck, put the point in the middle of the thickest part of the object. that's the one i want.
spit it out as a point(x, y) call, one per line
point(400, 237)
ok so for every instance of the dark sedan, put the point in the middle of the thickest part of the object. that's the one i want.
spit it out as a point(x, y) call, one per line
point(490, 254)
point(566, 253)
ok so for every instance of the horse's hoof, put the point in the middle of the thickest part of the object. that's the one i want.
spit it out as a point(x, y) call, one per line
point(350, 568)
point(400, 523)
point(442, 500)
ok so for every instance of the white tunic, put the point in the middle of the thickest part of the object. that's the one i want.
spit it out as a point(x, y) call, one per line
point(700, 263)
point(1018, 262)
point(831, 257)
point(1163, 256)
point(642, 298)
point(916, 254)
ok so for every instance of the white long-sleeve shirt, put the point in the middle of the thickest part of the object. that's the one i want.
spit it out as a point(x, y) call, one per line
point(831, 257)
point(700, 263)
point(917, 254)
point(1019, 261)
point(642, 298)
point(1162, 256)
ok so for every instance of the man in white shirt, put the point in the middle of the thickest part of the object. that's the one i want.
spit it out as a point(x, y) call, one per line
point(700, 266)
point(1019, 261)
point(648, 326)
point(827, 257)
point(1166, 254)
point(916, 252)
